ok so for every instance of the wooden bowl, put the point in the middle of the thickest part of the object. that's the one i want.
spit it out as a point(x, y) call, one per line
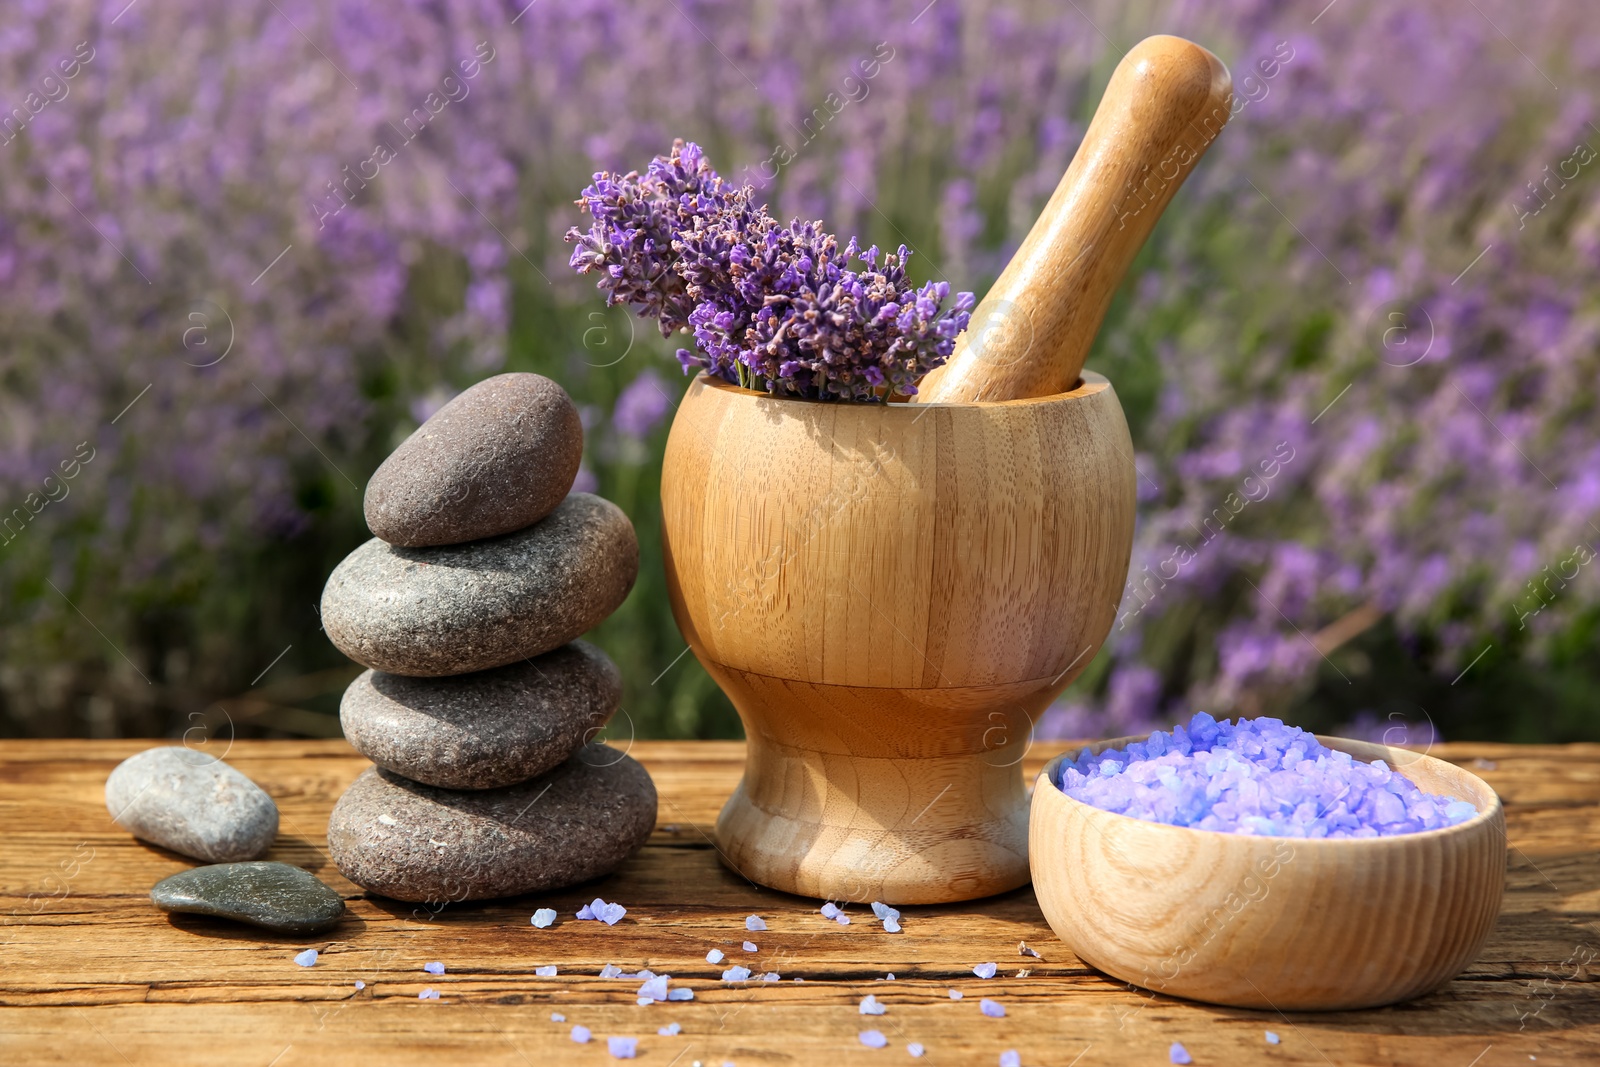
point(889, 594)
point(1273, 922)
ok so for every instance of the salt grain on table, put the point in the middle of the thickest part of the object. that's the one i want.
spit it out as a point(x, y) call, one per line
point(985, 970)
point(873, 1038)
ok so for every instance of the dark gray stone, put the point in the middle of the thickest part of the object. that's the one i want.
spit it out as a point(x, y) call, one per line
point(192, 803)
point(274, 895)
point(410, 841)
point(483, 730)
point(455, 609)
point(495, 459)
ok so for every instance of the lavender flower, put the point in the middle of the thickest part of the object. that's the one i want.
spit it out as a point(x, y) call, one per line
point(636, 220)
point(771, 307)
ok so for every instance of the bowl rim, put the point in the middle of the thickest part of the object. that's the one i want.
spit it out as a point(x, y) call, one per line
point(1089, 384)
point(1486, 815)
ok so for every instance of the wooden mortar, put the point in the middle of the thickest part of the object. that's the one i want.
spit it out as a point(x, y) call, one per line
point(890, 594)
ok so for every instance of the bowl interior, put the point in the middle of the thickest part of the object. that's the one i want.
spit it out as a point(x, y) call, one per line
point(1430, 774)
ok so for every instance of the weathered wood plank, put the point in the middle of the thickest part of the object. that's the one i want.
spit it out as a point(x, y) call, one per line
point(94, 974)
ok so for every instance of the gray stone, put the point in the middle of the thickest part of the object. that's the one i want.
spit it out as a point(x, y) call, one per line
point(455, 609)
point(410, 841)
point(192, 803)
point(495, 459)
point(483, 730)
point(274, 895)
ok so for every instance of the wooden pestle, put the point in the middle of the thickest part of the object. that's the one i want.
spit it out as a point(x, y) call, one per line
point(1166, 102)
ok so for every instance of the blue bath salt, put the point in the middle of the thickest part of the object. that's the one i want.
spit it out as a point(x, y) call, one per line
point(1258, 776)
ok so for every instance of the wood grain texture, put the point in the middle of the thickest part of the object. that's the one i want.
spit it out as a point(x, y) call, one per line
point(1166, 101)
point(95, 975)
point(890, 595)
point(1259, 922)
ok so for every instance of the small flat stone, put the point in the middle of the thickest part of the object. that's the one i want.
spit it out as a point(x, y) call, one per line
point(409, 841)
point(455, 609)
point(273, 895)
point(192, 803)
point(484, 730)
point(495, 459)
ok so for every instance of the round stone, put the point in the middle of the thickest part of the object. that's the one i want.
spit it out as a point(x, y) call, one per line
point(415, 842)
point(495, 459)
point(483, 730)
point(272, 895)
point(455, 609)
point(192, 803)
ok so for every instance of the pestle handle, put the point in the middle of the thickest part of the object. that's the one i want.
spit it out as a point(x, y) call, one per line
point(1166, 102)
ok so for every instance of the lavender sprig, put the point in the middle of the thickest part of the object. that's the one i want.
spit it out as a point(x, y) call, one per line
point(635, 221)
point(771, 307)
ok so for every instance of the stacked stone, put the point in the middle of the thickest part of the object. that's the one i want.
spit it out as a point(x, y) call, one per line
point(480, 703)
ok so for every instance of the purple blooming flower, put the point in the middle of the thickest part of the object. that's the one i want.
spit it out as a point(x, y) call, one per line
point(773, 307)
point(641, 405)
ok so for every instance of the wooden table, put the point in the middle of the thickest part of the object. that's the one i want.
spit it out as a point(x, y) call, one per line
point(94, 974)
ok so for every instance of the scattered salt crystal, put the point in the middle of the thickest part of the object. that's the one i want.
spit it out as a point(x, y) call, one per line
point(772, 976)
point(956, 994)
point(736, 974)
point(557, 1017)
point(428, 994)
point(1257, 776)
point(597, 908)
point(873, 1038)
point(754, 922)
point(548, 971)
point(985, 970)
point(644, 974)
point(681, 993)
point(750, 946)
point(842, 919)
point(889, 977)
point(883, 911)
point(1272, 1038)
point(434, 968)
point(916, 1049)
point(622, 1048)
point(1178, 1054)
point(308, 958)
point(654, 989)
point(992, 1008)
point(669, 1030)
point(1009, 1058)
point(611, 970)
point(830, 910)
point(580, 1034)
point(714, 956)
point(1024, 950)
point(644, 1001)
point(891, 925)
point(544, 917)
point(870, 1006)
point(360, 984)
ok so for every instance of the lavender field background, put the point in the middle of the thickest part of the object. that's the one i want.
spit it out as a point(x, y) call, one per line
point(245, 248)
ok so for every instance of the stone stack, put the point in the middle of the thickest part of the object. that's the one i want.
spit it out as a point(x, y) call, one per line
point(480, 703)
